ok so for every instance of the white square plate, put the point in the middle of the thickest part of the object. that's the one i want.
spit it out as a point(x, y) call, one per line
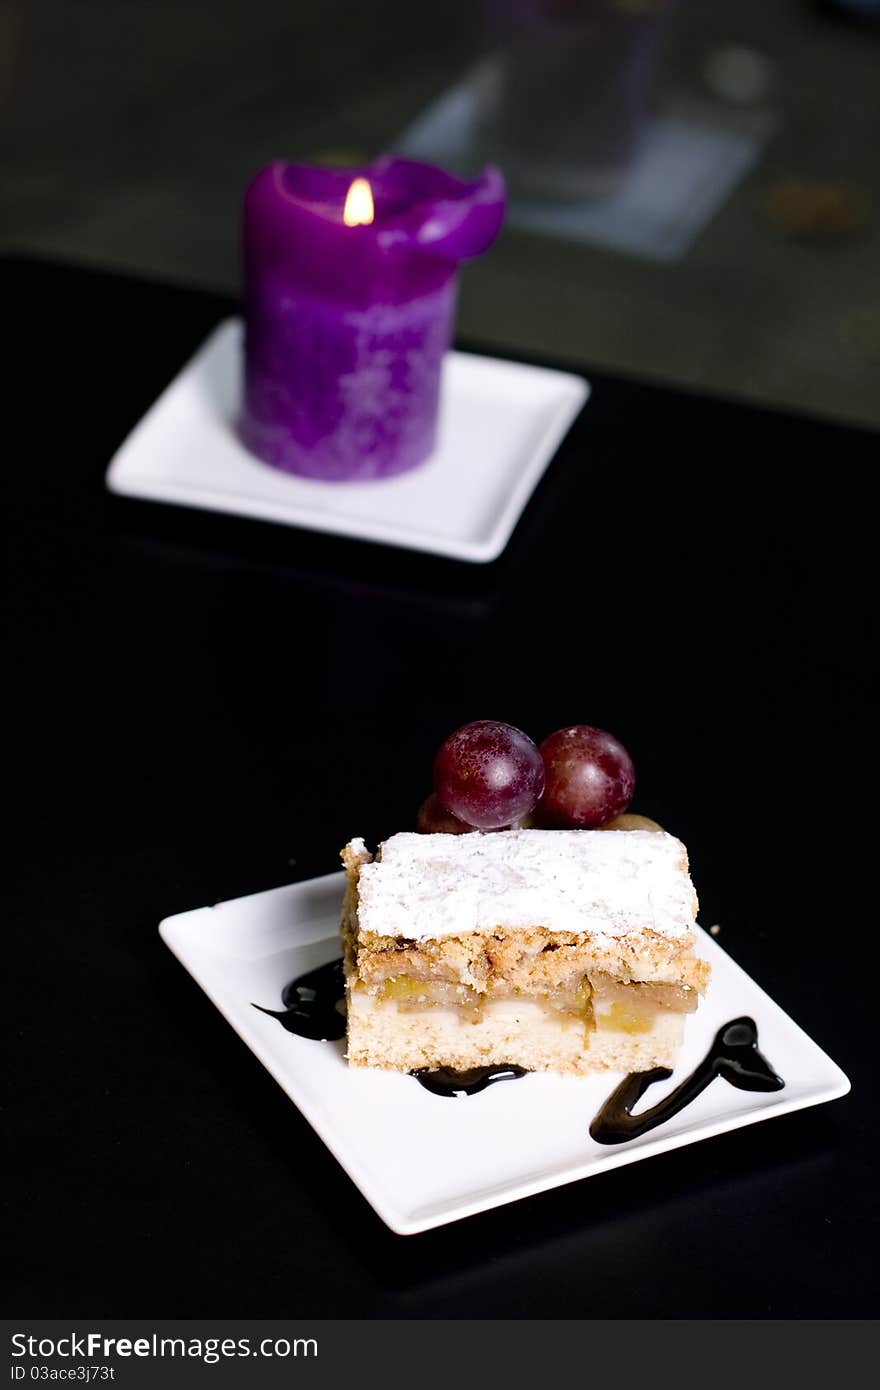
point(500, 425)
point(422, 1160)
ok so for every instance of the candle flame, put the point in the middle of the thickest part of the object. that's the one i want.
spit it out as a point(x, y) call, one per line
point(358, 210)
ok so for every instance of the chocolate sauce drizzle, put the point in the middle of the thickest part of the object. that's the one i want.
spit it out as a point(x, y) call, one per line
point(311, 1004)
point(733, 1055)
point(311, 1010)
point(443, 1081)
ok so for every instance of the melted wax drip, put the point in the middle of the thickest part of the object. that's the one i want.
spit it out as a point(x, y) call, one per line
point(733, 1055)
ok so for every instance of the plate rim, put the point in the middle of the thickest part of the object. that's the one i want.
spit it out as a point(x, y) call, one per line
point(415, 1220)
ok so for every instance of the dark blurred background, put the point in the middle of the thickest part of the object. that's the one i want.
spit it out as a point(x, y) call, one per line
point(130, 129)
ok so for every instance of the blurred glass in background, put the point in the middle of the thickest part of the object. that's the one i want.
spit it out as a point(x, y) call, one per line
point(696, 187)
point(564, 108)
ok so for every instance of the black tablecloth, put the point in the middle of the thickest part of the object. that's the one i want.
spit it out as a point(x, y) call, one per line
point(204, 707)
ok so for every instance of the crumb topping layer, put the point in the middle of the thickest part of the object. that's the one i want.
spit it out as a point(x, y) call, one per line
point(587, 882)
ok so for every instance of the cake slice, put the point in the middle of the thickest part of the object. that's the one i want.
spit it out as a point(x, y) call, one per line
point(562, 950)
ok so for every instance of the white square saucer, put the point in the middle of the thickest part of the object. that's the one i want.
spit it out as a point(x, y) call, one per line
point(500, 425)
point(422, 1160)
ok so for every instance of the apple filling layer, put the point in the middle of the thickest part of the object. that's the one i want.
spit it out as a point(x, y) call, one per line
point(598, 1001)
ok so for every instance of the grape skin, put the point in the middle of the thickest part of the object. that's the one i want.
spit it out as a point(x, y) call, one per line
point(630, 822)
point(590, 778)
point(488, 774)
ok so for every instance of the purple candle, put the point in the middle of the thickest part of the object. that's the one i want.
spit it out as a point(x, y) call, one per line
point(350, 282)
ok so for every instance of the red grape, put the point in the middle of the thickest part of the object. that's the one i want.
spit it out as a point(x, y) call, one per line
point(590, 778)
point(433, 820)
point(488, 774)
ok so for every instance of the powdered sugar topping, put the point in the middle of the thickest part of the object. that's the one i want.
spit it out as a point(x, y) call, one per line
point(597, 882)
